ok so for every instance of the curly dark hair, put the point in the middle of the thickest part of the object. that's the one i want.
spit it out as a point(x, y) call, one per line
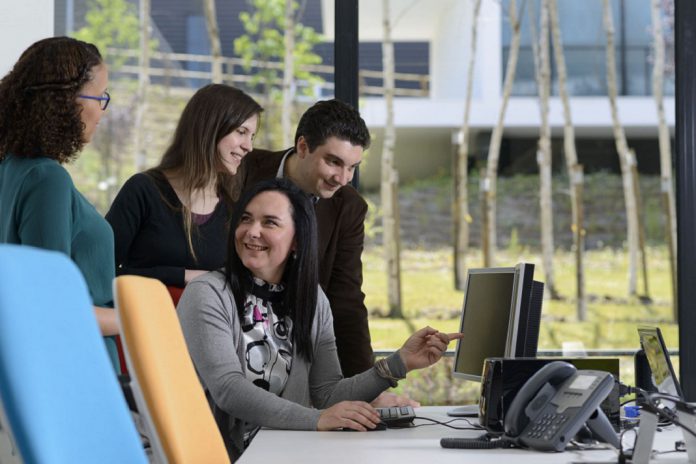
point(332, 118)
point(39, 112)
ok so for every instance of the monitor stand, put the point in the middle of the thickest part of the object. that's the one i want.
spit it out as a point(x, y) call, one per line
point(468, 410)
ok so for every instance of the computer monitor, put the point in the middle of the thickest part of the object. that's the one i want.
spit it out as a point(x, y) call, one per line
point(500, 317)
point(660, 364)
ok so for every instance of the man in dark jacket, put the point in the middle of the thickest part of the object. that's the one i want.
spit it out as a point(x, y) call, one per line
point(329, 143)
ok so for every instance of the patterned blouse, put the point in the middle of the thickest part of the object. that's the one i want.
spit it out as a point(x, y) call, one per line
point(267, 337)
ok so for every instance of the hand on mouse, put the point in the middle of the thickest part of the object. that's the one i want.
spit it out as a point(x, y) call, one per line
point(356, 415)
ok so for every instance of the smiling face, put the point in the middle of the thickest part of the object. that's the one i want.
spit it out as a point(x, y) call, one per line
point(265, 235)
point(328, 168)
point(91, 109)
point(235, 145)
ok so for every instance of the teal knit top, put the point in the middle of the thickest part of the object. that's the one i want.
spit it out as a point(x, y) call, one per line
point(40, 206)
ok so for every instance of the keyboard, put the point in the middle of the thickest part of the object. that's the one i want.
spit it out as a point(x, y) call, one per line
point(397, 416)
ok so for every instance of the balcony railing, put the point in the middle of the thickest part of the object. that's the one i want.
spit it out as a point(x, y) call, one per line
point(188, 70)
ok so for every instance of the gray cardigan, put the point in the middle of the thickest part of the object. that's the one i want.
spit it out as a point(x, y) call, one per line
point(210, 323)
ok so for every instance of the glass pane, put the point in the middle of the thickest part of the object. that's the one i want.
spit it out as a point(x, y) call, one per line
point(430, 40)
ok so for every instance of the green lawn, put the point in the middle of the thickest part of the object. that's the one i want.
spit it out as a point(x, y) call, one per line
point(429, 298)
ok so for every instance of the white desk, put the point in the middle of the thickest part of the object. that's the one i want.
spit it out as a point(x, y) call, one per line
point(418, 445)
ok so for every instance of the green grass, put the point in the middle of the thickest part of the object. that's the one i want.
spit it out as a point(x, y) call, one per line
point(429, 297)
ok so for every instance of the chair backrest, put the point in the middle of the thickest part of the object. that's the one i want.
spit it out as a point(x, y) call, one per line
point(166, 388)
point(175, 293)
point(58, 390)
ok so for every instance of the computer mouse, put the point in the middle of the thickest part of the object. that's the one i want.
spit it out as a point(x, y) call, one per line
point(380, 426)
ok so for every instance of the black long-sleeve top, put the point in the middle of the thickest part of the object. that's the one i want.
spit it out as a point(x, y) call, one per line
point(149, 232)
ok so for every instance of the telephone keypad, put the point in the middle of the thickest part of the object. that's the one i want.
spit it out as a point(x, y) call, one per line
point(546, 426)
point(569, 405)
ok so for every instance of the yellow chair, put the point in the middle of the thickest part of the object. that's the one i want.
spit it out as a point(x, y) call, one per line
point(167, 390)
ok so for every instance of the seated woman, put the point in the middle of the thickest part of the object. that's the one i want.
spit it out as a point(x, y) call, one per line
point(170, 222)
point(261, 333)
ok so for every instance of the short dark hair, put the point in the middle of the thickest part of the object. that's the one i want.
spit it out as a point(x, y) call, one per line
point(39, 112)
point(332, 118)
point(301, 276)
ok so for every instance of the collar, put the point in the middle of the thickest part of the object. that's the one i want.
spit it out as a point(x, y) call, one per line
point(281, 168)
point(266, 291)
point(281, 173)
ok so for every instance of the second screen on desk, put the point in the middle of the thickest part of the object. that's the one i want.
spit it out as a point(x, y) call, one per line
point(500, 317)
point(485, 320)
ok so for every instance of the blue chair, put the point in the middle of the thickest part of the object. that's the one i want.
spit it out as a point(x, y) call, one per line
point(58, 391)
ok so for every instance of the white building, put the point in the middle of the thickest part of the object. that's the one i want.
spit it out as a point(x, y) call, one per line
point(427, 127)
point(21, 24)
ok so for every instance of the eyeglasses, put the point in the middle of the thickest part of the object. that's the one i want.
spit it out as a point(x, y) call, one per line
point(103, 100)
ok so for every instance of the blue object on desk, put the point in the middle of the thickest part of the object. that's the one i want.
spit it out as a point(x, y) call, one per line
point(631, 411)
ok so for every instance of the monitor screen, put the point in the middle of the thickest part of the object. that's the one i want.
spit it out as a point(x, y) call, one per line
point(658, 358)
point(490, 318)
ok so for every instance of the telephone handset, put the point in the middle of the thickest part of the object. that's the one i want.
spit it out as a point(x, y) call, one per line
point(554, 404)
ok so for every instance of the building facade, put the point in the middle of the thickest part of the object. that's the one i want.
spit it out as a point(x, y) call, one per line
point(432, 40)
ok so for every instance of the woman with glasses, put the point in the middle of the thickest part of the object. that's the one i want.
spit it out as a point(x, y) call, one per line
point(50, 104)
point(170, 222)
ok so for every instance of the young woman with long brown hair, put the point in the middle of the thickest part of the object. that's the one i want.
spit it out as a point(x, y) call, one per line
point(170, 222)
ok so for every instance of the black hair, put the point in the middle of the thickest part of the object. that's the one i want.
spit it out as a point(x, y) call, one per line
point(332, 118)
point(301, 276)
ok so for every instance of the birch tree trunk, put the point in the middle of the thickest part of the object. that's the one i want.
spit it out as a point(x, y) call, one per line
point(625, 158)
point(488, 182)
point(461, 215)
point(575, 172)
point(665, 149)
point(288, 74)
point(543, 76)
point(389, 186)
point(641, 230)
point(143, 84)
point(214, 37)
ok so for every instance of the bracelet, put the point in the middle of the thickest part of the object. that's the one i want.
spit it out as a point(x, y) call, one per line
point(383, 370)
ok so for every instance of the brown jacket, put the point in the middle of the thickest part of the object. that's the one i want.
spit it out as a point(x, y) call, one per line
point(341, 231)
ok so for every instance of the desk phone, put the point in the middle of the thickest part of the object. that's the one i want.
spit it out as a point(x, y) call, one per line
point(554, 404)
point(550, 409)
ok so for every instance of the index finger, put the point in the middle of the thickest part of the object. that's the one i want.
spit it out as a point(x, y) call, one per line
point(455, 336)
point(427, 330)
point(363, 405)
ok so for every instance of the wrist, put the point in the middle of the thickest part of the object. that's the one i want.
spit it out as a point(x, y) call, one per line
point(399, 365)
point(391, 368)
point(402, 357)
point(317, 419)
